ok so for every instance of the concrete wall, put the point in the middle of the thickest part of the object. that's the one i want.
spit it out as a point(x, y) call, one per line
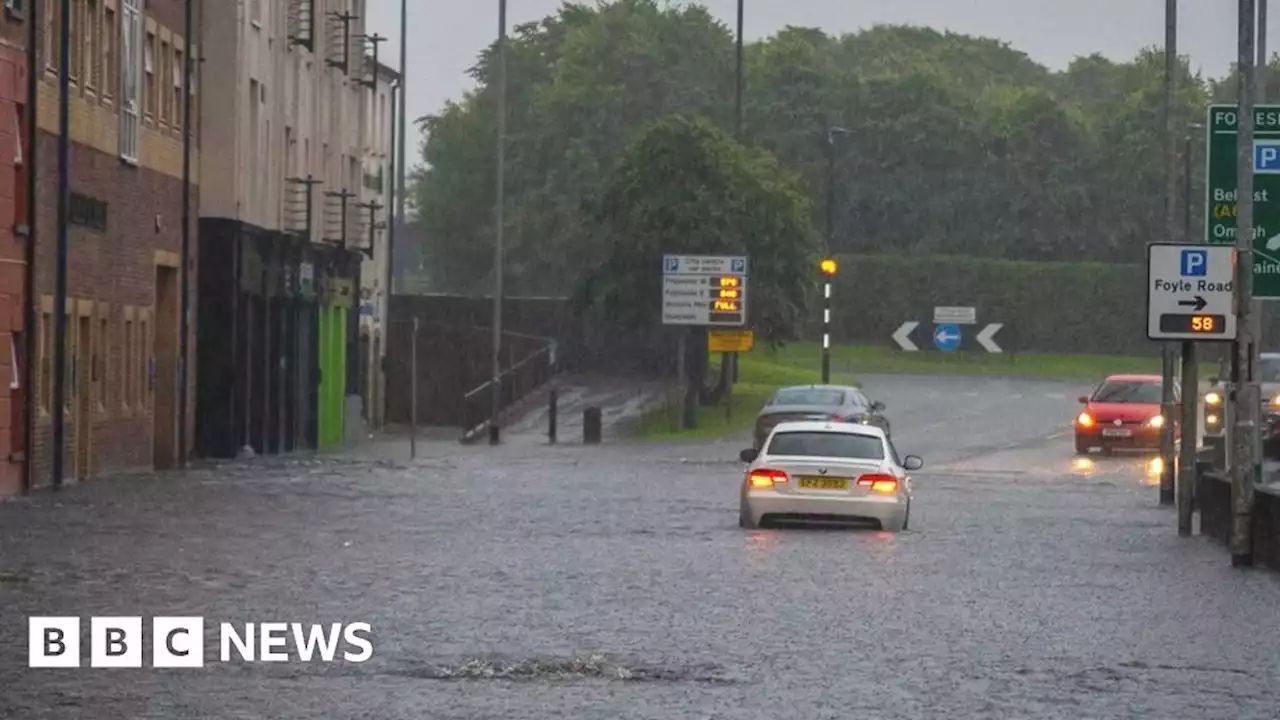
point(1213, 499)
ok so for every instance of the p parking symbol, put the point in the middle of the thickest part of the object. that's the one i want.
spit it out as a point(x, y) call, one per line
point(1195, 263)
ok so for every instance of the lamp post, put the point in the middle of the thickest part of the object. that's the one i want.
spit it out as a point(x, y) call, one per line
point(497, 249)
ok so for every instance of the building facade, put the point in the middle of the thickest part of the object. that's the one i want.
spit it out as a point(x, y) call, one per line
point(124, 257)
point(285, 224)
point(374, 293)
point(14, 238)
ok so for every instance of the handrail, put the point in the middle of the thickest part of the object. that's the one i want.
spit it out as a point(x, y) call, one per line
point(507, 372)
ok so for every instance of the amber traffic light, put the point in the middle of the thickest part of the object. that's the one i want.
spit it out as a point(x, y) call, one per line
point(828, 266)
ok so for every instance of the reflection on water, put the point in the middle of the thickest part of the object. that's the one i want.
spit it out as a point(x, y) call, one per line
point(1154, 469)
point(1084, 466)
point(761, 542)
point(1146, 470)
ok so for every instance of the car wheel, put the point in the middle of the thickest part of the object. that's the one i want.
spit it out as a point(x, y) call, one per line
point(1082, 447)
point(906, 519)
point(744, 519)
point(1108, 451)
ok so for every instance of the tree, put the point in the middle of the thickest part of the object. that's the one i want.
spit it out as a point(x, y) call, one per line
point(685, 186)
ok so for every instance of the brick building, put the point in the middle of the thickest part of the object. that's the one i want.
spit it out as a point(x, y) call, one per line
point(13, 246)
point(125, 236)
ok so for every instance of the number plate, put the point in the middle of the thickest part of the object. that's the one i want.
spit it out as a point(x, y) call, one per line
point(824, 483)
point(1120, 432)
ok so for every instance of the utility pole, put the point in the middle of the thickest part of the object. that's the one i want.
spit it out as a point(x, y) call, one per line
point(400, 141)
point(60, 282)
point(496, 388)
point(1190, 376)
point(184, 324)
point(1171, 231)
point(1244, 388)
point(739, 76)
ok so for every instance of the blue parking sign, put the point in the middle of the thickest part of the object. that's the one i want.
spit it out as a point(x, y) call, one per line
point(1195, 263)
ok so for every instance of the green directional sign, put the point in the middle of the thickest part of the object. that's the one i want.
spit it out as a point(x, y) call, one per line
point(1220, 207)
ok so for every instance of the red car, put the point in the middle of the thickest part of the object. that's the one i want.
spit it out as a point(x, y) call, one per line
point(1124, 412)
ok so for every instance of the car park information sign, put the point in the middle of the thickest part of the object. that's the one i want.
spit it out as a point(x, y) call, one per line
point(1191, 292)
point(708, 290)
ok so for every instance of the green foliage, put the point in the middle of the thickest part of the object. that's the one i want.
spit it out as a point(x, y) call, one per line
point(957, 145)
point(684, 186)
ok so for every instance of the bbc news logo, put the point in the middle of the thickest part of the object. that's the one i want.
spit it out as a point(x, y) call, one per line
point(178, 642)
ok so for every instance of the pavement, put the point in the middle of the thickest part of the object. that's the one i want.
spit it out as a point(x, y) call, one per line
point(534, 581)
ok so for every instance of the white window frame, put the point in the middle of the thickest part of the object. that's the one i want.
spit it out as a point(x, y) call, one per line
point(130, 80)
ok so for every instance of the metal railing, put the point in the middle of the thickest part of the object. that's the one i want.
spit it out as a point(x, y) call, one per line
point(516, 382)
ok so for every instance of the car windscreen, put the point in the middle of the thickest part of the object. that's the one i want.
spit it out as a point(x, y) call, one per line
point(808, 396)
point(1128, 391)
point(827, 444)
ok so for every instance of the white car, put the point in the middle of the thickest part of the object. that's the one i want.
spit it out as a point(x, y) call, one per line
point(827, 472)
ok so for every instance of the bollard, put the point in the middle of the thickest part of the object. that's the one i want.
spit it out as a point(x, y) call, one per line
point(551, 418)
point(591, 426)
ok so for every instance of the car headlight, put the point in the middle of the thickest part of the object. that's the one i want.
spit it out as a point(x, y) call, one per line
point(1084, 420)
point(1156, 422)
point(1212, 398)
point(1210, 419)
point(1275, 401)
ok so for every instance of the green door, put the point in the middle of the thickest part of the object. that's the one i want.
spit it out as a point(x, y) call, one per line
point(333, 374)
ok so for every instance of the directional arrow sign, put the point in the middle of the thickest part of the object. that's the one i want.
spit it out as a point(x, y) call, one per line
point(903, 336)
point(984, 338)
point(1198, 303)
point(1191, 292)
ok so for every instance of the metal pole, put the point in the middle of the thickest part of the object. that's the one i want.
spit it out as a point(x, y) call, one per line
point(1263, 66)
point(1170, 154)
point(551, 416)
point(60, 284)
point(392, 190)
point(739, 75)
point(185, 303)
point(413, 393)
point(400, 142)
point(29, 254)
point(1185, 487)
point(1244, 389)
point(826, 288)
point(497, 249)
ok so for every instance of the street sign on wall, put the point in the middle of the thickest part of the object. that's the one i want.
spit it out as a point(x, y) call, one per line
point(1191, 292)
point(1220, 190)
point(709, 290)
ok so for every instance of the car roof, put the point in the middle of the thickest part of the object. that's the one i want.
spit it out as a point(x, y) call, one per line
point(822, 426)
point(1134, 378)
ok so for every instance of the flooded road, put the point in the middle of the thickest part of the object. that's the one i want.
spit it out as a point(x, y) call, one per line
point(613, 582)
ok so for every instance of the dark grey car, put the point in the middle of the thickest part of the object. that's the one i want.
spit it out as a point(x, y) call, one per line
point(839, 403)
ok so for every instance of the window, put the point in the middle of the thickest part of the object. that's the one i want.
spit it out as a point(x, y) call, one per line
point(255, 10)
point(77, 40)
point(144, 367)
point(46, 361)
point(255, 147)
point(52, 49)
point(827, 445)
point(91, 63)
point(178, 59)
point(164, 98)
point(807, 396)
point(20, 168)
point(130, 34)
point(148, 66)
point(102, 362)
point(69, 365)
point(1147, 393)
point(128, 369)
point(110, 54)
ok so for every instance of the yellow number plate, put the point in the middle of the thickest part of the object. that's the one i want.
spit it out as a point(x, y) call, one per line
point(824, 483)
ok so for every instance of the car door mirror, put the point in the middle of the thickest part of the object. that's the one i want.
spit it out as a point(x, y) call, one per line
point(1084, 399)
point(749, 455)
point(1213, 381)
point(877, 406)
point(913, 462)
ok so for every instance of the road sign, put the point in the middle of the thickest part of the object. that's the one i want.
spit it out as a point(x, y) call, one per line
point(730, 341)
point(902, 335)
point(1220, 190)
point(705, 290)
point(947, 337)
point(955, 316)
point(1191, 292)
point(985, 338)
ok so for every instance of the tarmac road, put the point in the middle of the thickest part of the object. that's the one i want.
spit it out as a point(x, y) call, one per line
point(613, 582)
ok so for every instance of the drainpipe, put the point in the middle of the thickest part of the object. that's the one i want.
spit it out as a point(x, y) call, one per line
point(29, 253)
point(185, 304)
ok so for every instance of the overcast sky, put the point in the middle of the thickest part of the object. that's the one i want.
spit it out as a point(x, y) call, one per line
point(446, 35)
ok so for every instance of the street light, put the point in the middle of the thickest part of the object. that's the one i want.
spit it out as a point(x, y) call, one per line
point(497, 249)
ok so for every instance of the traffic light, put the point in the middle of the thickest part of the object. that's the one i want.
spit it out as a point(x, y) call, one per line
point(828, 266)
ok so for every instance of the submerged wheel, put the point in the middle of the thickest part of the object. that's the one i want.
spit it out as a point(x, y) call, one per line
point(1082, 447)
point(744, 519)
point(906, 519)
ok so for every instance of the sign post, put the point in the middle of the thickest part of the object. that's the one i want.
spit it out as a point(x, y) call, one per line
point(707, 291)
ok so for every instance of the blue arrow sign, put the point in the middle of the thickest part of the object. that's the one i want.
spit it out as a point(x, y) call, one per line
point(947, 337)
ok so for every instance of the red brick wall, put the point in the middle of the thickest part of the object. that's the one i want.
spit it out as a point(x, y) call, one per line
point(12, 266)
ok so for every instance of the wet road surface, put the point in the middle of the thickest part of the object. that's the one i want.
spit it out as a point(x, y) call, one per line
point(613, 582)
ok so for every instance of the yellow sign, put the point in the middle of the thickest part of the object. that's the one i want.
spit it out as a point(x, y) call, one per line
point(730, 341)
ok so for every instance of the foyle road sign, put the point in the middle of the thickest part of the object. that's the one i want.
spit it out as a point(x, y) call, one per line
point(1191, 292)
point(1220, 190)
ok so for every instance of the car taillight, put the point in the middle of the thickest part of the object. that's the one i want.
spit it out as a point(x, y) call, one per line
point(765, 478)
point(879, 482)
